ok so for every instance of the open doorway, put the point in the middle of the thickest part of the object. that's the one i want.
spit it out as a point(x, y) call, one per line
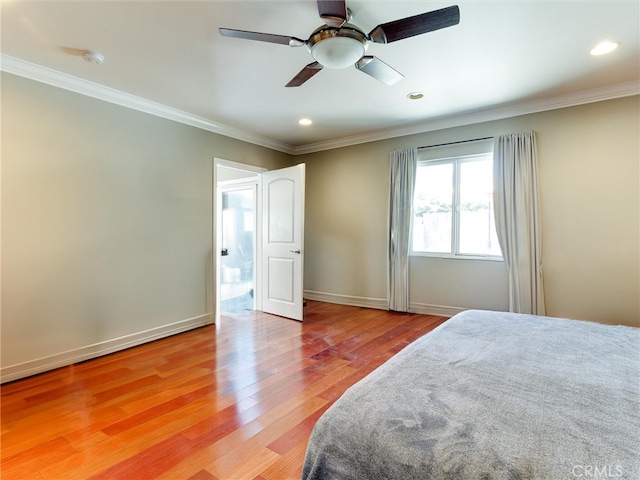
point(237, 234)
point(237, 248)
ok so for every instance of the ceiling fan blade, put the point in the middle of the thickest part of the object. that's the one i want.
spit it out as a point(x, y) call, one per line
point(379, 70)
point(333, 12)
point(262, 37)
point(305, 74)
point(416, 25)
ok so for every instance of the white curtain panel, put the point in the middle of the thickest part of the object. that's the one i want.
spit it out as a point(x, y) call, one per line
point(518, 219)
point(402, 174)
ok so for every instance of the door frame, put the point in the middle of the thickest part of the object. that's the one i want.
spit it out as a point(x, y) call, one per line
point(250, 180)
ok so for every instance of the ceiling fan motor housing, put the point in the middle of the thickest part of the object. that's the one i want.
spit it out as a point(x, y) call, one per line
point(337, 48)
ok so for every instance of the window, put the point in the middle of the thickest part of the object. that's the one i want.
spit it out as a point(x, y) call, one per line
point(453, 207)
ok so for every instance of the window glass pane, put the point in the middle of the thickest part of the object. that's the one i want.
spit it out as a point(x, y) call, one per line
point(432, 208)
point(477, 227)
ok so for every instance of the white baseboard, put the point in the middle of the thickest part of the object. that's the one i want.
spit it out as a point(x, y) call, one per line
point(33, 367)
point(380, 303)
point(439, 310)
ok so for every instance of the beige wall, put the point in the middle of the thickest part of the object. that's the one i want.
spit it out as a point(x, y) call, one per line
point(589, 181)
point(106, 224)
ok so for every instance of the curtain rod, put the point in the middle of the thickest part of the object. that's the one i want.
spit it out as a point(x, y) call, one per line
point(455, 143)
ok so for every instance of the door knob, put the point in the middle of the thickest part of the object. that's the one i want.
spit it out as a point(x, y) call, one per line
point(298, 251)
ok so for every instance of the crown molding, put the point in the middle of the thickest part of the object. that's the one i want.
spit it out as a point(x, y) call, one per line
point(535, 106)
point(58, 79)
point(48, 76)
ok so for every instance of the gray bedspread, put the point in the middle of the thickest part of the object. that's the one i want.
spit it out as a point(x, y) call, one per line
point(491, 395)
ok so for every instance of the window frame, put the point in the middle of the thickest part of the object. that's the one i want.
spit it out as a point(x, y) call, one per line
point(456, 161)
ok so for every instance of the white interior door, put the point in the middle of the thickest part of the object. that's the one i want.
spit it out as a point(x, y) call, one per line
point(283, 241)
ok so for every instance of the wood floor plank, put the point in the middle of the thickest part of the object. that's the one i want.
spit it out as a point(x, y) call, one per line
point(201, 475)
point(298, 434)
point(26, 434)
point(190, 379)
point(252, 466)
point(248, 440)
point(29, 462)
point(233, 401)
point(288, 467)
point(149, 463)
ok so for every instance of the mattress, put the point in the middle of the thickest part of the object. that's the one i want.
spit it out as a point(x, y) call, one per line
point(491, 395)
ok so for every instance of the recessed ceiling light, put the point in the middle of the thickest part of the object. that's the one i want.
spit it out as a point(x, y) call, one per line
point(604, 47)
point(305, 121)
point(415, 95)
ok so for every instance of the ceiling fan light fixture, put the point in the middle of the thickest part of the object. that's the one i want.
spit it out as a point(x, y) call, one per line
point(337, 47)
point(337, 52)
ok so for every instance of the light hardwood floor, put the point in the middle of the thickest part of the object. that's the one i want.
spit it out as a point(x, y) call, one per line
point(232, 401)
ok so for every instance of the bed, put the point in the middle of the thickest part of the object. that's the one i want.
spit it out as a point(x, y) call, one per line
point(491, 395)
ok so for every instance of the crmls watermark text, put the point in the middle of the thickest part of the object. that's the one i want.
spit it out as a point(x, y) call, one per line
point(597, 471)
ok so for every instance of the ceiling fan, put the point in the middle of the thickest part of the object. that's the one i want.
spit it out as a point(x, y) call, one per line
point(340, 44)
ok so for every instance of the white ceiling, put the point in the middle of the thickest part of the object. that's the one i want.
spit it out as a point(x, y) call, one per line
point(504, 57)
